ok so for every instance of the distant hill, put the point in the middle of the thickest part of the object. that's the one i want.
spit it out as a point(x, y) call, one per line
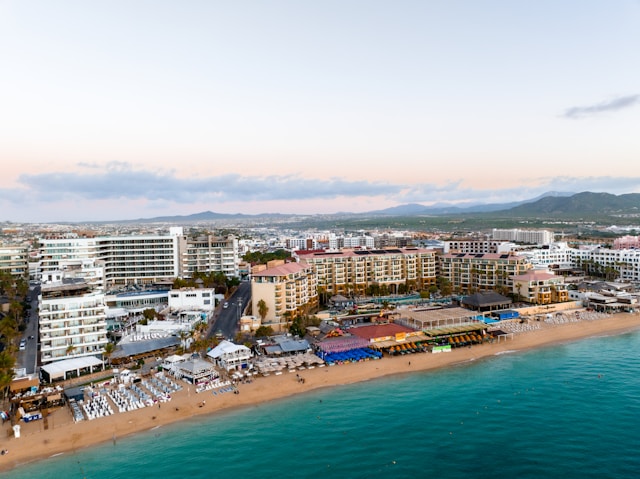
point(196, 217)
point(585, 203)
point(551, 204)
point(413, 209)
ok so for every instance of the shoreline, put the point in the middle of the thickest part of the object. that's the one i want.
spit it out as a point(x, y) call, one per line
point(63, 436)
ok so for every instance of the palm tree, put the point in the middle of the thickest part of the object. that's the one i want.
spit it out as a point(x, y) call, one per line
point(7, 362)
point(519, 289)
point(70, 349)
point(184, 335)
point(263, 309)
point(108, 351)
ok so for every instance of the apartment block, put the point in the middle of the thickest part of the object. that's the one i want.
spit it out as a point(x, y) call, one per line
point(72, 320)
point(14, 259)
point(144, 259)
point(627, 242)
point(352, 271)
point(619, 264)
point(555, 256)
point(477, 246)
point(469, 272)
point(540, 287)
point(208, 253)
point(524, 236)
point(285, 288)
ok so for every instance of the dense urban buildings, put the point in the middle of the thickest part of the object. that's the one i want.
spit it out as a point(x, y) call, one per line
point(144, 259)
point(88, 276)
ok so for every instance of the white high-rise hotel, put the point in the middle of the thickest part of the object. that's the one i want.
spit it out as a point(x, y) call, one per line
point(72, 314)
point(144, 259)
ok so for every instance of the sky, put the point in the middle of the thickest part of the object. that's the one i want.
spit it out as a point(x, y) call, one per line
point(127, 109)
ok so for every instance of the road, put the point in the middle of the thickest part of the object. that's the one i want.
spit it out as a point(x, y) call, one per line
point(27, 358)
point(226, 321)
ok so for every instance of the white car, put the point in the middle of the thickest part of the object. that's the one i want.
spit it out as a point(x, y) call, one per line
point(23, 345)
point(225, 305)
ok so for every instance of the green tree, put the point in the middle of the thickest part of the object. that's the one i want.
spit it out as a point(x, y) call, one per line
point(444, 285)
point(297, 327)
point(264, 331)
point(259, 257)
point(7, 362)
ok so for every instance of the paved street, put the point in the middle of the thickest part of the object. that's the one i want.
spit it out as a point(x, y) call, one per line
point(27, 358)
point(226, 320)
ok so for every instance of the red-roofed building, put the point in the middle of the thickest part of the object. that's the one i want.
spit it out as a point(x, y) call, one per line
point(540, 287)
point(285, 288)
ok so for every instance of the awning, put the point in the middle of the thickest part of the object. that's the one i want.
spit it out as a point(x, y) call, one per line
point(59, 368)
point(467, 328)
point(23, 383)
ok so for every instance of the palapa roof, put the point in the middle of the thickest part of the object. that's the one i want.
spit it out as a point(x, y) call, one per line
point(485, 298)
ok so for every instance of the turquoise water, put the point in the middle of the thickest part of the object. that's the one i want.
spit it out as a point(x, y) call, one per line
point(571, 411)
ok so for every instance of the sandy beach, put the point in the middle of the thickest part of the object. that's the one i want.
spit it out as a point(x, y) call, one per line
point(63, 436)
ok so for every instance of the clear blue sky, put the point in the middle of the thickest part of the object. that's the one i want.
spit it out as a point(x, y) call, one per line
point(130, 109)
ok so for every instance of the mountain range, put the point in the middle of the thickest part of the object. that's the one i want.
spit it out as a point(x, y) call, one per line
point(451, 209)
point(551, 204)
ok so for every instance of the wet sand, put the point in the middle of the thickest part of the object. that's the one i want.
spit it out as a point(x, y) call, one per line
point(63, 436)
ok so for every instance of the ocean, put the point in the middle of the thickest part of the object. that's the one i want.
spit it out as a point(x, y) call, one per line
point(567, 411)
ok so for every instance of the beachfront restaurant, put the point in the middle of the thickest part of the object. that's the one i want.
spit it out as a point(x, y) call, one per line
point(129, 351)
point(456, 336)
point(230, 356)
point(485, 301)
point(392, 338)
point(345, 349)
point(196, 371)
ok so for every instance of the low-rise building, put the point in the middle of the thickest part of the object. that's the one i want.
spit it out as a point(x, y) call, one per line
point(230, 356)
point(540, 287)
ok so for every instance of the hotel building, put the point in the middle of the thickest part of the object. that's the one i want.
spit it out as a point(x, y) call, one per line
point(540, 287)
point(524, 236)
point(72, 319)
point(14, 259)
point(468, 273)
point(144, 259)
point(354, 270)
point(284, 288)
point(209, 253)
